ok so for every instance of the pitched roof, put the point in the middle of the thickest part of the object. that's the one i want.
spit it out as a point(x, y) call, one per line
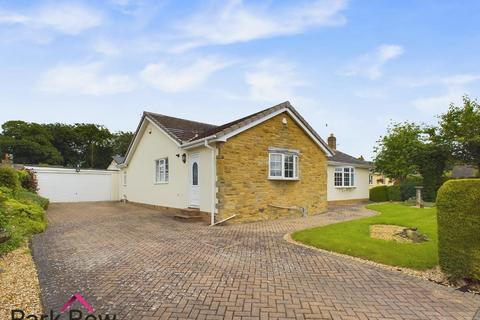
point(180, 129)
point(187, 132)
point(342, 157)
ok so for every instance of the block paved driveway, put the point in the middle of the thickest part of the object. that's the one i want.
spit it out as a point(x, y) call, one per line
point(141, 264)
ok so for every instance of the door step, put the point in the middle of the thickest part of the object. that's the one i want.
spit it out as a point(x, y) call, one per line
point(189, 214)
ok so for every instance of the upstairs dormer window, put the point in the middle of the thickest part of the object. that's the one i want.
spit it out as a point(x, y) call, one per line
point(283, 164)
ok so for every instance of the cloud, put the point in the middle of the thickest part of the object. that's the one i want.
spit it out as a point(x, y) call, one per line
point(70, 19)
point(273, 81)
point(371, 65)
point(234, 21)
point(453, 89)
point(106, 48)
point(84, 79)
point(175, 78)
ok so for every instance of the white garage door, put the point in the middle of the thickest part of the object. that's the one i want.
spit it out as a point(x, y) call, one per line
point(67, 185)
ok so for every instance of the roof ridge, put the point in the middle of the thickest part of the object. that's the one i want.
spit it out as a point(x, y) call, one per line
point(163, 115)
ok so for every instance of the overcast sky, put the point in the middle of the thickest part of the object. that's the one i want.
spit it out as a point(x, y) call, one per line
point(350, 67)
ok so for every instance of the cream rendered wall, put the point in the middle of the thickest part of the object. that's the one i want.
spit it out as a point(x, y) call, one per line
point(141, 187)
point(361, 190)
point(155, 144)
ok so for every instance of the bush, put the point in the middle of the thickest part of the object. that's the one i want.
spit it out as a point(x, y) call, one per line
point(32, 198)
point(28, 180)
point(407, 187)
point(21, 221)
point(458, 204)
point(9, 178)
point(379, 194)
point(394, 193)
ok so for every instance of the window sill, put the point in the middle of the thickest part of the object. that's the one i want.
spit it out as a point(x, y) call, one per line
point(283, 179)
point(351, 187)
point(166, 182)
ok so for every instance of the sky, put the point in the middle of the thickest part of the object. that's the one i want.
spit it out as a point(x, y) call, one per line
point(349, 67)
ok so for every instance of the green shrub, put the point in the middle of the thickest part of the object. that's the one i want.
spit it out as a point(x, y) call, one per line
point(21, 221)
point(28, 180)
point(32, 198)
point(379, 194)
point(9, 178)
point(394, 193)
point(458, 204)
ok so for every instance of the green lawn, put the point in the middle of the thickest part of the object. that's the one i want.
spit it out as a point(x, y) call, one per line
point(353, 237)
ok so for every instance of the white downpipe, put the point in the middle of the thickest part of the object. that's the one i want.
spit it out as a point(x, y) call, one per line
point(214, 183)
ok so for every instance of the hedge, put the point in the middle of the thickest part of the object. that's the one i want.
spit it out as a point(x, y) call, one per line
point(458, 217)
point(379, 194)
point(394, 193)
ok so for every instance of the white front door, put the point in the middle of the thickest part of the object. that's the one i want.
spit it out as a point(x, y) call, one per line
point(194, 194)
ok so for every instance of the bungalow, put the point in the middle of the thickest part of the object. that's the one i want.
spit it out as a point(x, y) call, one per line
point(269, 164)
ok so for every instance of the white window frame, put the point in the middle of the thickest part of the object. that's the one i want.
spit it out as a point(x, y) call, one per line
point(158, 178)
point(342, 171)
point(284, 155)
point(124, 178)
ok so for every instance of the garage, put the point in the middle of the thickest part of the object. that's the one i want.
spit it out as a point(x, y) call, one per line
point(71, 185)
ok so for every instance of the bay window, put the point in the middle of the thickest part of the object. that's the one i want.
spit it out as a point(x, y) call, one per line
point(344, 177)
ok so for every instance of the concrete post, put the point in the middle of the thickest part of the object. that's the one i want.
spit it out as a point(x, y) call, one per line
point(419, 197)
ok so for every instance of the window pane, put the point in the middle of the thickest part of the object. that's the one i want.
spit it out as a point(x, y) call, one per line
point(275, 165)
point(296, 166)
point(166, 169)
point(195, 174)
point(288, 166)
point(346, 179)
point(352, 177)
point(338, 179)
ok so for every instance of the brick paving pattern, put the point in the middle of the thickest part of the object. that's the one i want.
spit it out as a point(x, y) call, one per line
point(142, 264)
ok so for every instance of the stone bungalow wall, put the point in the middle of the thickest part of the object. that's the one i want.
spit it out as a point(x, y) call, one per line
point(242, 173)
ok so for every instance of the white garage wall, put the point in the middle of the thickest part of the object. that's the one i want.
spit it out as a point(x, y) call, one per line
point(67, 185)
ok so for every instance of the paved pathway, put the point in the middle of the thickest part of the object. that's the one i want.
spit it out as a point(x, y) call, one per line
point(141, 264)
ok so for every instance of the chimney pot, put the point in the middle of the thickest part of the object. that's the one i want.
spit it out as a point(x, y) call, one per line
point(332, 142)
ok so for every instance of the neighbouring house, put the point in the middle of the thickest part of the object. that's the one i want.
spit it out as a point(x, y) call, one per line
point(378, 179)
point(348, 177)
point(269, 164)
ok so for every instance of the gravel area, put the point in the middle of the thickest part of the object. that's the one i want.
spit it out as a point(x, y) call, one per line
point(387, 232)
point(19, 287)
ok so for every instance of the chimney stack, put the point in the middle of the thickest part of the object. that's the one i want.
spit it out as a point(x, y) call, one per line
point(332, 142)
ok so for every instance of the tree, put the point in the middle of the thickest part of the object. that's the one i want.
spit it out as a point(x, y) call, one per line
point(396, 152)
point(460, 128)
point(30, 143)
point(66, 142)
point(121, 142)
point(94, 143)
point(431, 160)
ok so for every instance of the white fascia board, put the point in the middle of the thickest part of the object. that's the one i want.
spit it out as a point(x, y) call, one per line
point(140, 133)
point(345, 164)
point(69, 170)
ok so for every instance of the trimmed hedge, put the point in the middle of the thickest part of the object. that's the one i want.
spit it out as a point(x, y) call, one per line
point(379, 194)
point(394, 193)
point(458, 204)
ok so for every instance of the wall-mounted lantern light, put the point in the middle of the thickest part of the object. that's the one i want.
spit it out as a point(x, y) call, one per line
point(184, 158)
